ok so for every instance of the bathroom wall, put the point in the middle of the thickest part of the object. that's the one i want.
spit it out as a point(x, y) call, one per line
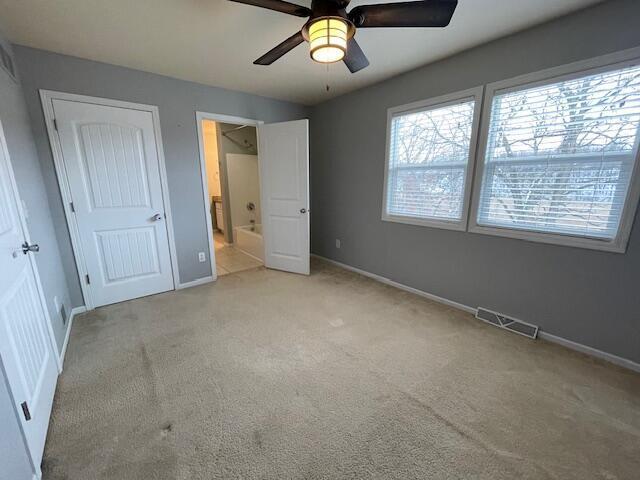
point(244, 187)
point(239, 141)
point(242, 142)
point(211, 157)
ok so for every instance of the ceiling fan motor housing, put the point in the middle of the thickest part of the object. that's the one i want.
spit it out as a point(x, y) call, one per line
point(323, 9)
point(351, 28)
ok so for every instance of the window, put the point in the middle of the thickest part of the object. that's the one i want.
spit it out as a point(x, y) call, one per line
point(429, 148)
point(559, 159)
point(557, 156)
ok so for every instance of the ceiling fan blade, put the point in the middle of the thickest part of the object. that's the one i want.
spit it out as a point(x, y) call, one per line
point(341, 3)
point(275, 53)
point(355, 59)
point(278, 6)
point(425, 13)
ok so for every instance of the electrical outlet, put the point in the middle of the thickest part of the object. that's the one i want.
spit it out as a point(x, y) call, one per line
point(201, 257)
point(338, 243)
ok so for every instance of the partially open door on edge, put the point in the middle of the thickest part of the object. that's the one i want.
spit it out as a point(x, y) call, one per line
point(284, 176)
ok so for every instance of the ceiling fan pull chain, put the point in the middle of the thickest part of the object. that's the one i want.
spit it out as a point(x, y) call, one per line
point(327, 76)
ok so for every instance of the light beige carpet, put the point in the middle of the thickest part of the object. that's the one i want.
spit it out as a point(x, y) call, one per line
point(269, 375)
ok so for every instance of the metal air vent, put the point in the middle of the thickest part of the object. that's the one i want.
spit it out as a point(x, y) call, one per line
point(508, 323)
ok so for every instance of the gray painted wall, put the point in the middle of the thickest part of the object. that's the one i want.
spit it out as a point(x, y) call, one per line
point(177, 101)
point(22, 151)
point(586, 296)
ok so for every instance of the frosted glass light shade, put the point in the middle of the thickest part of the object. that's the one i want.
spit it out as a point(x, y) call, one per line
point(328, 40)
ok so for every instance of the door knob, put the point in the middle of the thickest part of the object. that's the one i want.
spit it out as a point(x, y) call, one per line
point(156, 217)
point(303, 210)
point(26, 248)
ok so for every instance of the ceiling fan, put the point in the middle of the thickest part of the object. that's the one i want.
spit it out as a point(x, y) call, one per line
point(330, 29)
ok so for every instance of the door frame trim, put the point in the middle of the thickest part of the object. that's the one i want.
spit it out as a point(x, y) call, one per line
point(46, 98)
point(200, 116)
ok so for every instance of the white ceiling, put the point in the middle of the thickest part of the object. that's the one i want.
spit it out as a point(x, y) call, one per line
point(214, 42)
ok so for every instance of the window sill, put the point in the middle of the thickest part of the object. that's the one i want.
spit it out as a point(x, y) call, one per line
point(459, 225)
point(615, 246)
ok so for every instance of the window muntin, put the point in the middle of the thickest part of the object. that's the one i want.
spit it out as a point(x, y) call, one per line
point(559, 157)
point(428, 159)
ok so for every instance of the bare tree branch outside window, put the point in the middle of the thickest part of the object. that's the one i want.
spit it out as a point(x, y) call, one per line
point(560, 157)
point(428, 161)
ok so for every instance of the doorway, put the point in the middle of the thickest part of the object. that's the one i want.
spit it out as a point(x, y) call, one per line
point(232, 192)
point(279, 235)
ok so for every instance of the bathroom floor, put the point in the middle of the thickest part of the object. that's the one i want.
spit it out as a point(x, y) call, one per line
point(230, 259)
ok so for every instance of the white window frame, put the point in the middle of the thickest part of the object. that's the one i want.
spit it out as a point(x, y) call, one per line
point(626, 58)
point(455, 98)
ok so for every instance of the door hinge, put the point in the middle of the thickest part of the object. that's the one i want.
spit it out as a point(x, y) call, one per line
point(88, 279)
point(55, 124)
point(73, 209)
point(25, 411)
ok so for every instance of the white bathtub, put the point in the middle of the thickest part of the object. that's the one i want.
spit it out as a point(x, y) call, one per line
point(250, 242)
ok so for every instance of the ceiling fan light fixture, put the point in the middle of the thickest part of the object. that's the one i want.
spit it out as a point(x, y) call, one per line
point(328, 39)
point(330, 29)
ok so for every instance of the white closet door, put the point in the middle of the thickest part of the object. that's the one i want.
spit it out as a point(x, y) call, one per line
point(112, 166)
point(284, 175)
point(26, 347)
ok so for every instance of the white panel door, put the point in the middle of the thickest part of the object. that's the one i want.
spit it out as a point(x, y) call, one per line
point(284, 176)
point(26, 347)
point(112, 167)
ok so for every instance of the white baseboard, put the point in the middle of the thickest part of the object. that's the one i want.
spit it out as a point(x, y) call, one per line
point(401, 286)
point(195, 283)
point(594, 352)
point(609, 357)
point(75, 311)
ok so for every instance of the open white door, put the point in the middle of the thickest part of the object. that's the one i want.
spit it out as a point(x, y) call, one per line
point(26, 346)
point(283, 154)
